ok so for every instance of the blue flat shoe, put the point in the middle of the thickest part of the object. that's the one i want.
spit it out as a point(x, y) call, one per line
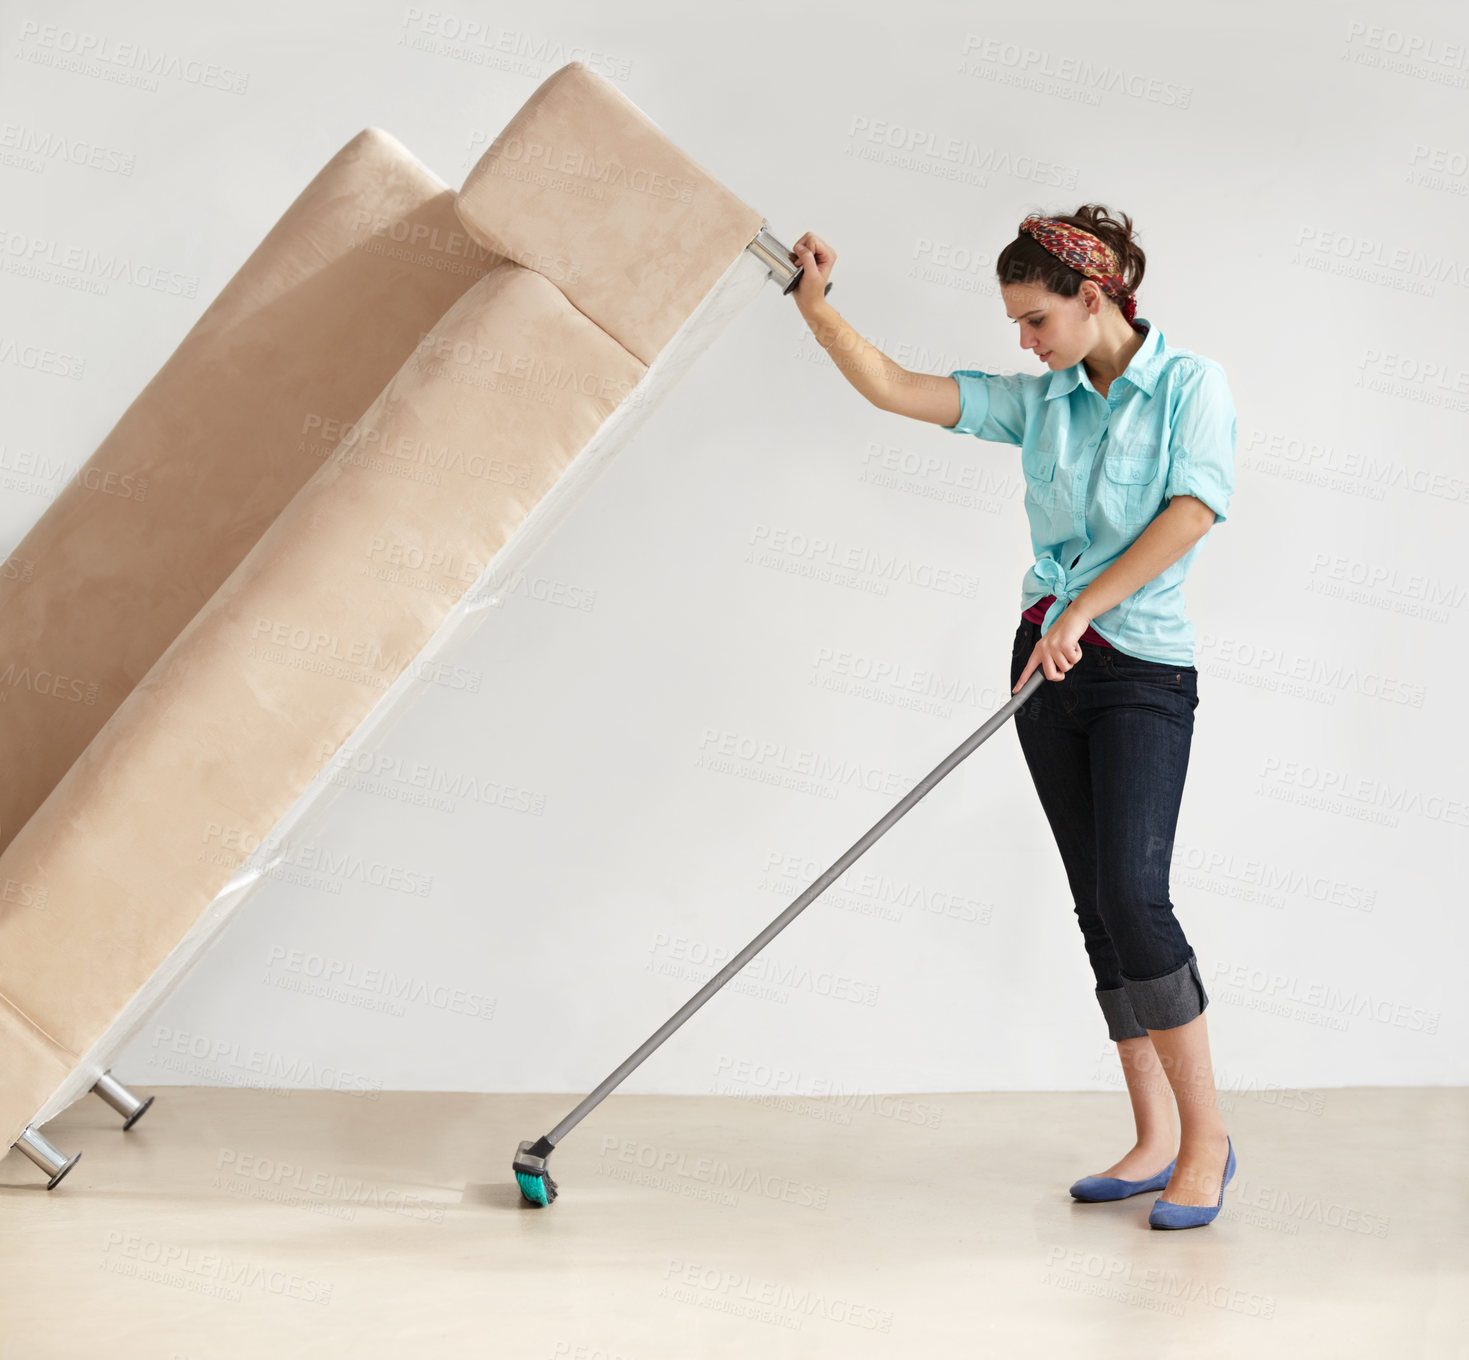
point(1095, 1188)
point(1166, 1214)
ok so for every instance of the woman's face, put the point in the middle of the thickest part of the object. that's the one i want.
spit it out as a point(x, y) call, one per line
point(1055, 329)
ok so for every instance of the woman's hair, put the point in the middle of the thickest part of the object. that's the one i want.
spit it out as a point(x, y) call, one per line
point(1026, 260)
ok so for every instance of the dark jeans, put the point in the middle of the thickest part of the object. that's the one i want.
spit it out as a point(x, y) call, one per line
point(1107, 747)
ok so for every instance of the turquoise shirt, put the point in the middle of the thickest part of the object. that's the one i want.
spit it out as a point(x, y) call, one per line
point(1098, 469)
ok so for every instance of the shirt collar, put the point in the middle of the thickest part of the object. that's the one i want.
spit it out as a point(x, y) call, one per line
point(1142, 369)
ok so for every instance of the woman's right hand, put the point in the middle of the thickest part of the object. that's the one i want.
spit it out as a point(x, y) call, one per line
point(816, 259)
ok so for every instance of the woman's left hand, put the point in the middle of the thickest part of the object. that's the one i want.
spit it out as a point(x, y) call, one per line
point(1058, 649)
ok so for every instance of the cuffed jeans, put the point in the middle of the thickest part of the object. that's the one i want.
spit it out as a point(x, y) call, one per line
point(1107, 747)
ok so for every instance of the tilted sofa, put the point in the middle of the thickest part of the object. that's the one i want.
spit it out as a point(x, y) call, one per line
point(196, 629)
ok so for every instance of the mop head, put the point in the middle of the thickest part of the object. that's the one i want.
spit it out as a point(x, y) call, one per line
point(536, 1189)
point(535, 1182)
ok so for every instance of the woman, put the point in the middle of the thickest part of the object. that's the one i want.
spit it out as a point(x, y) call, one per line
point(1127, 449)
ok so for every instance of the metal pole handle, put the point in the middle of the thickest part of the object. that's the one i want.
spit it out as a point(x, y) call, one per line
point(977, 738)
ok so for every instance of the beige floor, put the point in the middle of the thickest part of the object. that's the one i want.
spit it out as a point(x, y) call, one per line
point(250, 1223)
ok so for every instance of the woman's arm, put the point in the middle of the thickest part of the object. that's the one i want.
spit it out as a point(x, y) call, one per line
point(1173, 531)
point(887, 385)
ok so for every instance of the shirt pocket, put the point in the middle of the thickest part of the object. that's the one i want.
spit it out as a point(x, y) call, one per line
point(1047, 498)
point(1132, 486)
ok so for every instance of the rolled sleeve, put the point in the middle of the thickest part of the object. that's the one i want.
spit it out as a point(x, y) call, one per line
point(991, 405)
point(1201, 441)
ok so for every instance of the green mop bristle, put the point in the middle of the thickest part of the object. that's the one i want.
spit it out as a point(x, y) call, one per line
point(536, 1186)
point(533, 1188)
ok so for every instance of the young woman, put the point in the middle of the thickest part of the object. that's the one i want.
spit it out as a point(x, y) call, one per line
point(1127, 449)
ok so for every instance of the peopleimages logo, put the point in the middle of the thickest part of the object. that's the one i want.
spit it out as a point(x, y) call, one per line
point(1260, 989)
point(514, 156)
point(275, 1069)
point(1361, 796)
point(69, 689)
point(1149, 1286)
point(206, 1272)
point(718, 1175)
point(679, 956)
point(100, 54)
point(827, 559)
point(783, 1084)
point(735, 1291)
point(342, 976)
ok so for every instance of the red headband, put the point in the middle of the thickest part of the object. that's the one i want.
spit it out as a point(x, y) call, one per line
point(1085, 253)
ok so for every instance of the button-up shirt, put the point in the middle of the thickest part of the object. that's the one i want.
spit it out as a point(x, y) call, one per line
point(1098, 469)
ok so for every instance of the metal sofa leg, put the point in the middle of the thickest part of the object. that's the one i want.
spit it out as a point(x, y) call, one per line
point(121, 1099)
point(46, 1155)
point(770, 252)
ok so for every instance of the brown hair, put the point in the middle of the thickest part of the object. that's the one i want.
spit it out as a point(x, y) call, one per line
point(1026, 260)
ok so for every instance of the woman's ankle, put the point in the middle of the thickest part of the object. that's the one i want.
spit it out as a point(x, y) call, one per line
point(1157, 1142)
point(1205, 1134)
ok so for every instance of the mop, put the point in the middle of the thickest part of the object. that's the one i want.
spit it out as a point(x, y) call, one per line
point(535, 1182)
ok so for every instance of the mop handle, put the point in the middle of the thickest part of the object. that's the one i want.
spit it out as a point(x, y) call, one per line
point(791, 912)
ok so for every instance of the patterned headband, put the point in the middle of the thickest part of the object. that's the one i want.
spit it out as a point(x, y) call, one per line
point(1085, 253)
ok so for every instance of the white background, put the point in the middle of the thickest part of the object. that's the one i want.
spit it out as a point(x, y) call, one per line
point(1298, 185)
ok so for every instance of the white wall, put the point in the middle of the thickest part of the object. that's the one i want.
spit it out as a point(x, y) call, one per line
point(1300, 190)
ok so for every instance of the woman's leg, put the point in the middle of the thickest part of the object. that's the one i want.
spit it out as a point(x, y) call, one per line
point(1054, 744)
point(1140, 728)
point(1152, 1112)
point(1203, 1145)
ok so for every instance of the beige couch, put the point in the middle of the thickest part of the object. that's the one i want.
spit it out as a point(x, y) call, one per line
point(195, 627)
